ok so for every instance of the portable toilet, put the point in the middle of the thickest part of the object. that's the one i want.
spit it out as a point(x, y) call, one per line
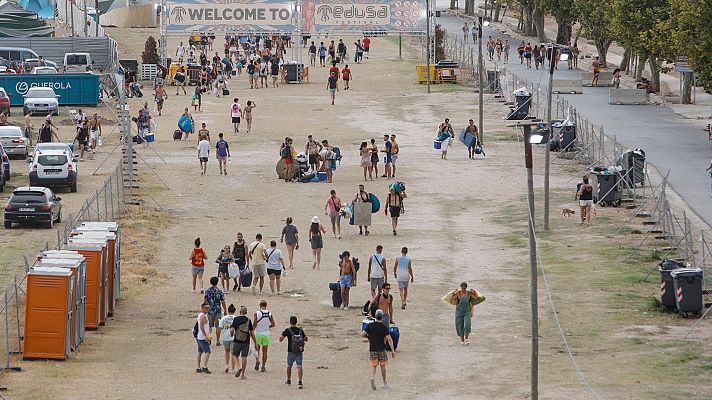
point(48, 313)
point(104, 295)
point(79, 281)
point(116, 229)
point(95, 253)
point(70, 254)
point(110, 237)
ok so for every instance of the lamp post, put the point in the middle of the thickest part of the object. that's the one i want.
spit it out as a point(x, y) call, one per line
point(547, 157)
point(481, 23)
point(427, 39)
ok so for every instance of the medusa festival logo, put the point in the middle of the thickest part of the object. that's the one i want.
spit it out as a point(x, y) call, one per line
point(178, 13)
point(353, 14)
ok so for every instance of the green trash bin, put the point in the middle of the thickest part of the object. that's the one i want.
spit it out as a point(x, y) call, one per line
point(688, 290)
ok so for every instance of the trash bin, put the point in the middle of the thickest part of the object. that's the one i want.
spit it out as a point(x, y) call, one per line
point(293, 72)
point(566, 131)
point(667, 289)
point(605, 189)
point(633, 163)
point(422, 70)
point(493, 84)
point(688, 290)
point(522, 99)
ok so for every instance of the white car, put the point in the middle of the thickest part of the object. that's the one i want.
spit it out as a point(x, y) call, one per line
point(51, 168)
point(43, 70)
point(41, 100)
point(13, 140)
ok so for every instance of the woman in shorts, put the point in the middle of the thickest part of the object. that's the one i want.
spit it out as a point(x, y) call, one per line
point(197, 261)
point(224, 259)
point(585, 196)
point(374, 158)
point(316, 240)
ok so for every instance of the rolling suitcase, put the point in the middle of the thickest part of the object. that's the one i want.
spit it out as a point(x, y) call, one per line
point(177, 134)
point(226, 92)
point(246, 277)
point(335, 294)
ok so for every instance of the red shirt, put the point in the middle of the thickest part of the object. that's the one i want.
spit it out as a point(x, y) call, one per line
point(198, 255)
point(346, 74)
point(366, 42)
point(335, 70)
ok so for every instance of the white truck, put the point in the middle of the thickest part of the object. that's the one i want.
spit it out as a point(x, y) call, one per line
point(77, 62)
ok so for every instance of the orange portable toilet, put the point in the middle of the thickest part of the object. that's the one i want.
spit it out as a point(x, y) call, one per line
point(110, 237)
point(94, 252)
point(48, 313)
point(115, 277)
point(77, 280)
point(80, 286)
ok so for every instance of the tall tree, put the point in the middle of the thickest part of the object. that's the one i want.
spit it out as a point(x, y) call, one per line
point(592, 15)
point(566, 15)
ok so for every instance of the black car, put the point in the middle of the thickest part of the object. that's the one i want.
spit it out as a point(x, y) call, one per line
point(27, 204)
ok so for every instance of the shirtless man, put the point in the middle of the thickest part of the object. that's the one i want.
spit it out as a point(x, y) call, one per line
point(203, 133)
point(395, 202)
point(94, 131)
point(394, 157)
point(385, 303)
point(312, 150)
point(28, 126)
point(347, 277)
point(161, 96)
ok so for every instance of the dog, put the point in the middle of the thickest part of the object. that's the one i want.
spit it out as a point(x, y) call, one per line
point(567, 212)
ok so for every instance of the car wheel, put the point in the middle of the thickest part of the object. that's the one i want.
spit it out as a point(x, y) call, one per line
point(59, 217)
point(8, 224)
point(73, 187)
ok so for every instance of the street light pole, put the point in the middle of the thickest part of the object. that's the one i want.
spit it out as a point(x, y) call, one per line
point(547, 156)
point(528, 162)
point(480, 67)
point(427, 39)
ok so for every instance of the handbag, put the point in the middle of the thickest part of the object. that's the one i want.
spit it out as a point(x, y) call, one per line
point(233, 270)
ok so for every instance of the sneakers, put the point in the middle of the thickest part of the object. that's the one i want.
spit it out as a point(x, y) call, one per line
point(288, 382)
point(237, 374)
point(227, 369)
point(263, 369)
point(198, 370)
point(301, 386)
point(257, 365)
point(385, 386)
point(395, 233)
point(205, 370)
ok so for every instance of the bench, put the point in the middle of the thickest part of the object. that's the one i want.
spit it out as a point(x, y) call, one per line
point(564, 86)
point(627, 96)
point(605, 78)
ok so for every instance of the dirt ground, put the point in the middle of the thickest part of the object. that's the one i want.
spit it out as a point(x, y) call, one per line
point(463, 222)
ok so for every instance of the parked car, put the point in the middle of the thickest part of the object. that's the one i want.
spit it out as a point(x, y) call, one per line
point(13, 140)
point(41, 100)
point(32, 204)
point(35, 62)
point(3, 177)
point(7, 70)
point(43, 70)
point(55, 146)
point(4, 101)
point(5, 163)
point(77, 62)
point(54, 168)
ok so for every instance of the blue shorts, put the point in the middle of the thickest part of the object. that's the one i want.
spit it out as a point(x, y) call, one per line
point(203, 346)
point(389, 158)
point(346, 280)
point(295, 357)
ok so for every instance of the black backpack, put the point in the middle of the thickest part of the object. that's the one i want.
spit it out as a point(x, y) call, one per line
point(195, 330)
point(286, 151)
point(297, 341)
point(373, 307)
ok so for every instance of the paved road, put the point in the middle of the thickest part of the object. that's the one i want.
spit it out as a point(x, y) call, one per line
point(670, 141)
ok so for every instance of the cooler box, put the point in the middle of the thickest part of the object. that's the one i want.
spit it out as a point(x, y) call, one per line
point(321, 175)
point(48, 313)
point(150, 137)
point(395, 335)
point(365, 323)
point(467, 138)
point(688, 290)
point(437, 145)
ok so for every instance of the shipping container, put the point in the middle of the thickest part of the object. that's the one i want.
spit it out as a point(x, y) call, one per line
point(73, 89)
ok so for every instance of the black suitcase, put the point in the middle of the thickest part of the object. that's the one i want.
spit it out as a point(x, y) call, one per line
point(226, 92)
point(335, 294)
point(177, 134)
point(246, 278)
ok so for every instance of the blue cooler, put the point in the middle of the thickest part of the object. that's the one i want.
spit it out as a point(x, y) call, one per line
point(365, 323)
point(150, 137)
point(71, 146)
point(395, 335)
point(437, 145)
point(321, 175)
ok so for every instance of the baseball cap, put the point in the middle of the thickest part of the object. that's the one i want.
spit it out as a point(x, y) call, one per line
point(379, 314)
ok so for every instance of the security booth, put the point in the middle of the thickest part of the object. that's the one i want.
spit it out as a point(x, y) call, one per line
point(95, 254)
point(48, 313)
point(116, 229)
point(110, 237)
point(79, 282)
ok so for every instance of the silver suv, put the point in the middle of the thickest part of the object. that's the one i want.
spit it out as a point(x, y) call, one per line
point(54, 168)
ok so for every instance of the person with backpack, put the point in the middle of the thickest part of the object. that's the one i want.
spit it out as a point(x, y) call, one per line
point(394, 206)
point(197, 260)
point(235, 114)
point(242, 330)
point(256, 257)
point(239, 256)
point(296, 339)
point(203, 338)
point(227, 339)
point(328, 157)
point(383, 301)
point(262, 321)
point(286, 152)
point(377, 272)
point(275, 266)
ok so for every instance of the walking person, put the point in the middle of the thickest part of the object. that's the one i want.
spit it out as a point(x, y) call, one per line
point(203, 154)
point(287, 154)
point(215, 298)
point(374, 158)
point(383, 301)
point(235, 114)
point(347, 278)
point(242, 330)
point(248, 115)
point(575, 54)
point(378, 336)
point(222, 153)
point(363, 217)
point(239, 257)
point(596, 65)
point(317, 240)
point(226, 338)
point(388, 159)
point(464, 300)
point(465, 32)
point(346, 75)
point(365, 153)
point(160, 97)
point(616, 78)
point(223, 260)
point(262, 321)
point(197, 261)
point(28, 126)
point(333, 210)
point(366, 46)
point(296, 339)
point(203, 338)
point(312, 54)
point(328, 156)
point(256, 257)
point(445, 134)
point(403, 272)
point(94, 132)
point(505, 49)
point(198, 98)
point(472, 129)
point(585, 197)
point(275, 265)
point(322, 55)
point(395, 206)
point(394, 155)
point(377, 272)
point(290, 237)
point(181, 80)
point(332, 86)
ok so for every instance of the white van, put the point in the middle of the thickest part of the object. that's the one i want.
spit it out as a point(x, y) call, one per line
point(77, 62)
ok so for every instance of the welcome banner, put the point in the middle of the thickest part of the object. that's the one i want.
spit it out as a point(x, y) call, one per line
point(252, 16)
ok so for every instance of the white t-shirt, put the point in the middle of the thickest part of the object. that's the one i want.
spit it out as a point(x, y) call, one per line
point(181, 51)
point(225, 323)
point(235, 110)
point(262, 323)
point(376, 270)
point(205, 327)
point(204, 148)
point(273, 261)
point(80, 118)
